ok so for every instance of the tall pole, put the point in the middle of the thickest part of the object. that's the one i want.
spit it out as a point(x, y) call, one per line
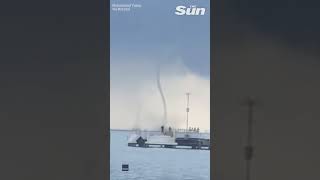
point(249, 147)
point(188, 94)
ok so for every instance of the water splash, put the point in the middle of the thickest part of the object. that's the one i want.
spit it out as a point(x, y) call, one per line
point(138, 116)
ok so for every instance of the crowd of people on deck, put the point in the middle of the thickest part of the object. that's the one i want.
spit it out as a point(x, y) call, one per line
point(191, 129)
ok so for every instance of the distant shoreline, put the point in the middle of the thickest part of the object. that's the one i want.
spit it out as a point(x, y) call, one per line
point(131, 130)
point(120, 130)
point(126, 130)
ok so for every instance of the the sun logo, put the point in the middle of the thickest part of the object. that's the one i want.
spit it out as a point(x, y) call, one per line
point(190, 11)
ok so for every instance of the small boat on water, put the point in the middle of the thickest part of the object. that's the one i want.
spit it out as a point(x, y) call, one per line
point(147, 139)
point(194, 139)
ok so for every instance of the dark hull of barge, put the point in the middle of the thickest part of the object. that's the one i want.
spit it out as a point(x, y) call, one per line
point(182, 143)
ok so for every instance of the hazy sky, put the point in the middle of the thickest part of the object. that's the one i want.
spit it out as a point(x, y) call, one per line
point(145, 37)
point(155, 30)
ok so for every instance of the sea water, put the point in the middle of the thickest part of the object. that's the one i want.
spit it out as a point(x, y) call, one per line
point(156, 163)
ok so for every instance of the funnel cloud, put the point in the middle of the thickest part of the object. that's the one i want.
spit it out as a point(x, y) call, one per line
point(162, 97)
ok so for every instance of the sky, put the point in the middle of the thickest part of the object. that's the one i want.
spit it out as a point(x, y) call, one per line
point(154, 30)
point(151, 36)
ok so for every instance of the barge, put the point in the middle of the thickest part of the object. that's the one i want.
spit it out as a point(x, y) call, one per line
point(170, 139)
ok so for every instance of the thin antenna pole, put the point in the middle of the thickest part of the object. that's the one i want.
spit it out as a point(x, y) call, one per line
point(249, 147)
point(188, 109)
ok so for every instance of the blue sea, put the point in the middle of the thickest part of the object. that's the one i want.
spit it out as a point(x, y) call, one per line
point(156, 163)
